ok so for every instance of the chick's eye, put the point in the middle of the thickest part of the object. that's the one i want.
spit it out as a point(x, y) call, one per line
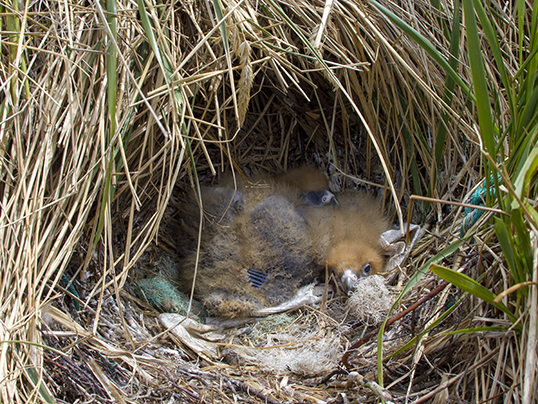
point(366, 270)
point(325, 199)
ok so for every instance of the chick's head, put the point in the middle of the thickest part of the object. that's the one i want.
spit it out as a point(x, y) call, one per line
point(320, 197)
point(351, 261)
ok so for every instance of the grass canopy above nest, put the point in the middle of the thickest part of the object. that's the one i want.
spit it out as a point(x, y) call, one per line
point(110, 112)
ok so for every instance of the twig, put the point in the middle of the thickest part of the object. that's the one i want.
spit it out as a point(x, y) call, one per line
point(369, 336)
point(379, 391)
point(456, 378)
point(326, 379)
point(243, 386)
point(185, 391)
point(250, 390)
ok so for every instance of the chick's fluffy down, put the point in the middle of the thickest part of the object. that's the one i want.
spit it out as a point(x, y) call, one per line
point(347, 236)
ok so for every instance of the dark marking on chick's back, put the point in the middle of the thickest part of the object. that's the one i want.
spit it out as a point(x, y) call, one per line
point(256, 278)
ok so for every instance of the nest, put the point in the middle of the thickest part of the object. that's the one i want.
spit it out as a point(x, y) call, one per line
point(112, 117)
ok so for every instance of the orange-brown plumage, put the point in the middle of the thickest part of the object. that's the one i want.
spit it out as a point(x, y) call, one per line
point(307, 183)
point(305, 178)
point(346, 237)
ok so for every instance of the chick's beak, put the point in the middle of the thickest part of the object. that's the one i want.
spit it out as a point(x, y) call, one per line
point(349, 281)
point(331, 199)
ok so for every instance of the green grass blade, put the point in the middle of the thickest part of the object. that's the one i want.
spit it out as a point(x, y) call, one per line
point(529, 111)
point(524, 250)
point(447, 251)
point(37, 382)
point(414, 340)
point(449, 92)
point(526, 173)
point(491, 35)
point(533, 45)
point(148, 29)
point(111, 66)
point(520, 27)
point(14, 25)
point(475, 330)
point(532, 213)
point(507, 246)
point(220, 17)
point(426, 45)
point(478, 73)
point(469, 285)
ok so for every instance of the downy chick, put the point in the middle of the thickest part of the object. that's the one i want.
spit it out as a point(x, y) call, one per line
point(256, 250)
point(260, 260)
point(346, 237)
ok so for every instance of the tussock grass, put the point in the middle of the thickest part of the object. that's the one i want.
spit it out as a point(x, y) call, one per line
point(108, 112)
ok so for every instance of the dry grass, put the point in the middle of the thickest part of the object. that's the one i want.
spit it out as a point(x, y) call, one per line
point(256, 100)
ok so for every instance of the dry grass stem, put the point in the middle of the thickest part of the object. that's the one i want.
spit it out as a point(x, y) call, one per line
point(233, 91)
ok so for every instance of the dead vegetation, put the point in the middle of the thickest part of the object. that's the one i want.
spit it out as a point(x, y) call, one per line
point(94, 162)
